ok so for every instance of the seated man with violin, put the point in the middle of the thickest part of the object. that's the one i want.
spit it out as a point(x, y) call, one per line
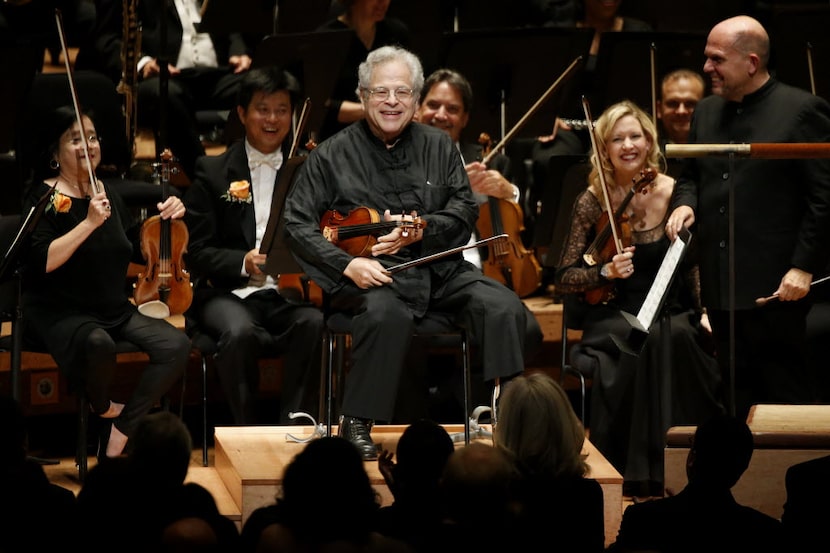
point(411, 174)
point(235, 302)
point(612, 277)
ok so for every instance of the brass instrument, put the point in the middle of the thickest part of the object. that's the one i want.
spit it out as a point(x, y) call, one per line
point(130, 52)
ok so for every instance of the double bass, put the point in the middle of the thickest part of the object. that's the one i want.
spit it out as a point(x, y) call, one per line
point(508, 261)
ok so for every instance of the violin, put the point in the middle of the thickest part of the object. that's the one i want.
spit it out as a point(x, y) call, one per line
point(356, 232)
point(603, 248)
point(508, 261)
point(164, 287)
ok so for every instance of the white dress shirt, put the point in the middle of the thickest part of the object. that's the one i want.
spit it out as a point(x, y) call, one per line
point(263, 179)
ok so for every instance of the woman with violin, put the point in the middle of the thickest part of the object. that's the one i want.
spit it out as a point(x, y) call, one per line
point(613, 275)
point(229, 204)
point(75, 295)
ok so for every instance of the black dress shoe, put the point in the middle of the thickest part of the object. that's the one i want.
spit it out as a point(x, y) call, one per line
point(357, 431)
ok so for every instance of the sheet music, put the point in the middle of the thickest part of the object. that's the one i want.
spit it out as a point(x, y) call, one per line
point(664, 277)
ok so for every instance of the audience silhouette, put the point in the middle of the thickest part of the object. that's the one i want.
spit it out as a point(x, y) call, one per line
point(704, 514)
point(414, 480)
point(30, 503)
point(156, 509)
point(806, 510)
point(477, 499)
point(538, 426)
point(327, 504)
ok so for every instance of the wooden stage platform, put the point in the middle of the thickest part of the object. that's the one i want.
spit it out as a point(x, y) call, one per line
point(250, 462)
point(783, 435)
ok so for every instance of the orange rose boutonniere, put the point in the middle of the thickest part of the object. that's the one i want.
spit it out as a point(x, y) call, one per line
point(239, 191)
point(59, 203)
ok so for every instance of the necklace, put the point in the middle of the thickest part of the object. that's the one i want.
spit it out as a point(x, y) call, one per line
point(74, 189)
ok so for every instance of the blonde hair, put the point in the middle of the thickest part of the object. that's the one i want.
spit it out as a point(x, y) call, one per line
point(538, 426)
point(602, 130)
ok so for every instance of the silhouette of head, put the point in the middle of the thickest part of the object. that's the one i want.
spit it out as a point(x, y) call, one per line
point(328, 472)
point(422, 453)
point(720, 453)
point(160, 447)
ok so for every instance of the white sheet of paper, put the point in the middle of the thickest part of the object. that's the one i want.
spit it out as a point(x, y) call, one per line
point(654, 299)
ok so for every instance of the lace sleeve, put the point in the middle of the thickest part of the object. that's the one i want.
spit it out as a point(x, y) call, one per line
point(572, 274)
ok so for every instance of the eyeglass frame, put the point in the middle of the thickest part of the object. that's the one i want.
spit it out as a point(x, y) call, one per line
point(93, 138)
point(373, 92)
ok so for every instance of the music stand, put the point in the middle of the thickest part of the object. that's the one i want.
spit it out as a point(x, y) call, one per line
point(11, 264)
point(313, 58)
point(623, 70)
point(504, 70)
point(279, 258)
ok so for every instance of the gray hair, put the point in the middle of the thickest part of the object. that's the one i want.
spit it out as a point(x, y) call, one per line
point(386, 54)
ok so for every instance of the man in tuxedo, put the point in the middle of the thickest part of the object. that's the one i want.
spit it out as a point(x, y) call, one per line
point(229, 204)
point(204, 68)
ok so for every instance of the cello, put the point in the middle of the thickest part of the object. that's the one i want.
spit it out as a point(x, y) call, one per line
point(508, 261)
point(164, 287)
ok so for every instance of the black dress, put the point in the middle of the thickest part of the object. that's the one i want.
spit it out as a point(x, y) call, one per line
point(635, 399)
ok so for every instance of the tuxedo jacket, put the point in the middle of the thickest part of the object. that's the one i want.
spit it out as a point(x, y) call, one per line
point(221, 230)
point(232, 44)
point(105, 52)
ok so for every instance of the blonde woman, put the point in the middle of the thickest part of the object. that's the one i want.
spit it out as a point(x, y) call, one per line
point(635, 398)
point(555, 495)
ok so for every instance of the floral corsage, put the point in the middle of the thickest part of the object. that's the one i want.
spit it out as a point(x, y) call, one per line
point(239, 191)
point(59, 203)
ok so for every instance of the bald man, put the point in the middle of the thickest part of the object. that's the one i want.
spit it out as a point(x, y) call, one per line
point(781, 215)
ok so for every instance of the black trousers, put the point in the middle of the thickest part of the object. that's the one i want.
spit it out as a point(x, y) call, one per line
point(247, 330)
point(770, 354)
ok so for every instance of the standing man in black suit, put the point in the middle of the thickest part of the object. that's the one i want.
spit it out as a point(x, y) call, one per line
point(781, 215)
point(229, 203)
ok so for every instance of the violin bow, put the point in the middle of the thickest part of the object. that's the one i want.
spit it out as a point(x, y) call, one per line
point(92, 181)
point(542, 99)
point(432, 257)
point(601, 171)
point(301, 122)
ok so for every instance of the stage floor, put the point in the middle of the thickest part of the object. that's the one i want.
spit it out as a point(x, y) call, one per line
point(250, 462)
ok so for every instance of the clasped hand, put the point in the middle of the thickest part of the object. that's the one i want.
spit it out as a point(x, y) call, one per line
point(368, 273)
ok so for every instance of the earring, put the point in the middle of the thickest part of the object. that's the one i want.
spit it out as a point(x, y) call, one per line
point(54, 164)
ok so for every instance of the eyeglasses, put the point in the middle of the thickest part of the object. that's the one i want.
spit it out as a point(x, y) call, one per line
point(381, 94)
point(91, 139)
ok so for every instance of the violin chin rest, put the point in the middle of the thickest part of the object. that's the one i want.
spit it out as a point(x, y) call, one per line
point(154, 309)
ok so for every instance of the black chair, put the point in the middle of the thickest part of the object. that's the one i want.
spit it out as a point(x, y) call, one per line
point(437, 328)
point(204, 347)
point(567, 178)
point(574, 361)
